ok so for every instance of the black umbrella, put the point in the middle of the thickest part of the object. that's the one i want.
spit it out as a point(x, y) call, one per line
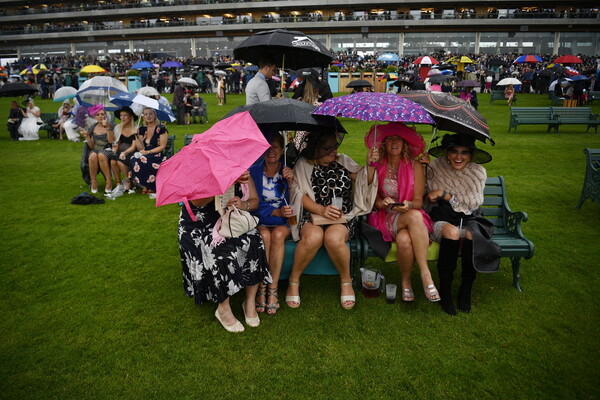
point(17, 89)
point(546, 72)
point(359, 83)
point(497, 61)
point(223, 66)
point(468, 83)
point(402, 81)
point(202, 63)
point(451, 113)
point(437, 78)
point(290, 49)
point(288, 114)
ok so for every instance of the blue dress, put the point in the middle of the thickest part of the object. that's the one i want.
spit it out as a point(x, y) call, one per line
point(271, 194)
point(144, 168)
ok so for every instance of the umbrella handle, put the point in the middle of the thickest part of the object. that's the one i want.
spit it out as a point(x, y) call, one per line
point(433, 135)
point(281, 72)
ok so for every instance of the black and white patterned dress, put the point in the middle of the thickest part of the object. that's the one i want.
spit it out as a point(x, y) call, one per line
point(215, 273)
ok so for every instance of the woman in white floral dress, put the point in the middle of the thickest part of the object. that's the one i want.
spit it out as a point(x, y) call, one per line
point(215, 272)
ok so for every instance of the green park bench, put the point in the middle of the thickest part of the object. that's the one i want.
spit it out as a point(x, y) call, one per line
point(576, 116)
point(499, 95)
point(49, 119)
point(169, 149)
point(532, 116)
point(591, 181)
point(507, 230)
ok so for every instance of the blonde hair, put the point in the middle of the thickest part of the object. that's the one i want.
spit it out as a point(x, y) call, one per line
point(311, 90)
point(405, 155)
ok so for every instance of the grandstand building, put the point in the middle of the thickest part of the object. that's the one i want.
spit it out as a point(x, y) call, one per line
point(182, 28)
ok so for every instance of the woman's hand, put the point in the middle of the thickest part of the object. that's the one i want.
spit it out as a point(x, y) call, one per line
point(388, 201)
point(122, 156)
point(402, 208)
point(332, 212)
point(286, 211)
point(373, 155)
point(244, 178)
point(288, 174)
point(435, 195)
point(237, 202)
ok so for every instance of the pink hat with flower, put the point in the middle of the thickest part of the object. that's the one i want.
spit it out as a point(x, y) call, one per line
point(378, 133)
point(93, 110)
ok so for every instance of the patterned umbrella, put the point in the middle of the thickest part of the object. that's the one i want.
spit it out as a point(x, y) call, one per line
point(528, 59)
point(373, 106)
point(64, 93)
point(98, 90)
point(451, 113)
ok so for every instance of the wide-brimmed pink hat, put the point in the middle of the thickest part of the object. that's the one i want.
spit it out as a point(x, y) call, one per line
point(378, 133)
point(93, 110)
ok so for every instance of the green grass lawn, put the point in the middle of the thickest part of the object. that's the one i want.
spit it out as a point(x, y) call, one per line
point(92, 305)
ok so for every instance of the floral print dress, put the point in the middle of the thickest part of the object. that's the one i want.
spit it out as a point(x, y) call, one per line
point(144, 168)
point(215, 273)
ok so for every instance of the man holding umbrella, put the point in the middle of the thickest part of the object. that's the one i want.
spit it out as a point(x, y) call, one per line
point(257, 89)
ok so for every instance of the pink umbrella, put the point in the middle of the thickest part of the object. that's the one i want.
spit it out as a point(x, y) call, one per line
point(426, 60)
point(212, 162)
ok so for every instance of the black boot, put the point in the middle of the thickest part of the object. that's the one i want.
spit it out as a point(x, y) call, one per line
point(446, 267)
point(468, 275)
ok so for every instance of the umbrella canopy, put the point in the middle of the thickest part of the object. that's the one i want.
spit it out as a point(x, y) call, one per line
point(461, 60)
point(546, 72)
point(497, 62)
point(188, 82)
point(252, 68)
point(447, 72)
point(468, 83)
point(142, 65)
point(64, 93)
point(290, 49)
point(358, 83)
point(92, 69)
point(223, 65)
point(373, 106)
point(426, 60)
point(288, 114)
point(41, 67)
point(29, 70)
point(437, 78)
point(390, 57)
point(171, 64)
point(212, 162)
point(202, 63)
point(571, 71)
point(579, 78)
point(528, 59)
point(148, 91)
point(451, 113)
point(17, 89)
point(433, 71)
point(137, 102)
point(222, 73)
point(99, 90)
point(568, 59)
point(508, 81)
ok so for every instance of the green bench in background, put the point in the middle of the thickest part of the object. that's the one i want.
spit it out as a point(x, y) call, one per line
point(49, 119)
point(532, 116)
point(591, 181)
point(576, 116)
point(507, 230)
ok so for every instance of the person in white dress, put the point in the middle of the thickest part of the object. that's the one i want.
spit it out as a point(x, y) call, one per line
point(30, 125)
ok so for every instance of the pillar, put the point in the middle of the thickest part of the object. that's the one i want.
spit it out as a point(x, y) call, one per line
point(193, 46)
point(556, 43)
point(401, 44)
point(130, 43)
point(477, 42)
point(73, 52)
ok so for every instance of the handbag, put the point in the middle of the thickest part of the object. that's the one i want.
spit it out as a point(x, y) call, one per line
point(317, 219)
point(236, 222)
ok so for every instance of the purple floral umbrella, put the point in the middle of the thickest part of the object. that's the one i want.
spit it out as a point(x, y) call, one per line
point(374, 106)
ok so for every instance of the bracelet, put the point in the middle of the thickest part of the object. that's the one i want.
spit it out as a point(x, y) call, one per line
point(247, 205)
point(410, 205)
point(444, 193)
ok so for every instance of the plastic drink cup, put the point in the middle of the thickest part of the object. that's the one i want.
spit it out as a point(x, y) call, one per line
point(337, 202)
point(293, 219)
point(390, 293)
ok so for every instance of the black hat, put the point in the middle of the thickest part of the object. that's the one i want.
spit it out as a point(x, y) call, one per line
point(460, 139)
point(126, 109)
